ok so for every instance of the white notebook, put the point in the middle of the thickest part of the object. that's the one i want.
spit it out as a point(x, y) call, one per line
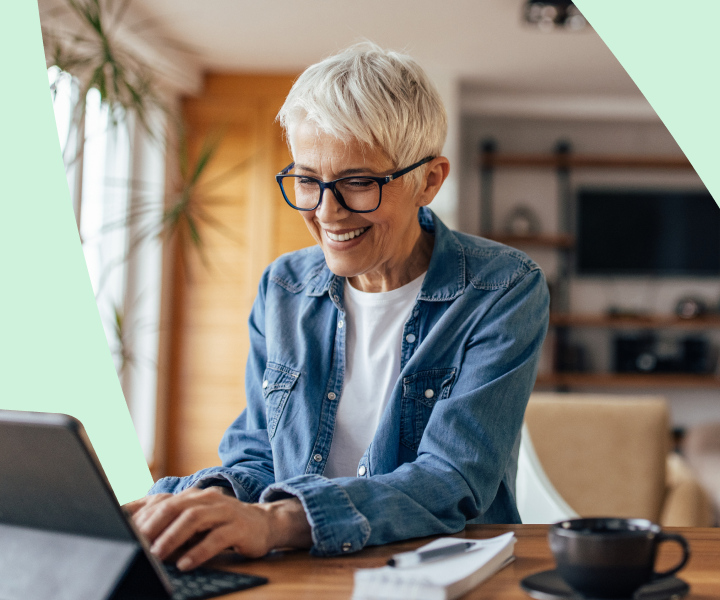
point(440, 580)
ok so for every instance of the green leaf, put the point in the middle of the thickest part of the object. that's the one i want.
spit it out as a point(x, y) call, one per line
point(210, 145)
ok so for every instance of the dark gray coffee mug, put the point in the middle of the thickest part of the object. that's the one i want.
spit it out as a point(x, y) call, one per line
point(608, 557)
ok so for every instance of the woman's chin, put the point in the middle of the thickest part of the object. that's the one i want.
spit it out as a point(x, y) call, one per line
point(343, 266)
point(345, 259)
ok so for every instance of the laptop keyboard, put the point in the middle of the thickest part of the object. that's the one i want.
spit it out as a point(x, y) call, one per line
point(208, 583)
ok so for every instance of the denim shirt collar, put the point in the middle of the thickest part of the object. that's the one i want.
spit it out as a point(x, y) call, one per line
point(445, 279)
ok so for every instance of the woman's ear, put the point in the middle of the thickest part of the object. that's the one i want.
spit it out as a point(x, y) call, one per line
point(436, 173)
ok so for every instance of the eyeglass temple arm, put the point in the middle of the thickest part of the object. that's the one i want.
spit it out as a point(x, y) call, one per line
point(286, 169)
point(388, 179)
point(427, 159)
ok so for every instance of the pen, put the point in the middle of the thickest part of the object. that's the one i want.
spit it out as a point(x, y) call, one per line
point(409, 559)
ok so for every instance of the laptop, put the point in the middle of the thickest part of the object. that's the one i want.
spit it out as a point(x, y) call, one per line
point(63, 534)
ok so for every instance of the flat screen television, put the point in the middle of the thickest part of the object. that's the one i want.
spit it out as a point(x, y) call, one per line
point(647, 232)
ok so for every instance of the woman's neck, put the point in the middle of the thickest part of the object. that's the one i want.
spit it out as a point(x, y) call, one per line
point(401, 273)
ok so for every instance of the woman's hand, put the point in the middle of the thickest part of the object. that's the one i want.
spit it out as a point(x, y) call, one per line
point(171, 521)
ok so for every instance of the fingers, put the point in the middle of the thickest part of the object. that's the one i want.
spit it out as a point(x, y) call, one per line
point(132, 507)
point(157, 518)
point(139, 507)
point(214, 542)
point(192, 520)
point(205, 521)
point(152, 518)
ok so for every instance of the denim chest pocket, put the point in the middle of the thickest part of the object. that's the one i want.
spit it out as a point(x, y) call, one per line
point(278, 382)
point(421, 391)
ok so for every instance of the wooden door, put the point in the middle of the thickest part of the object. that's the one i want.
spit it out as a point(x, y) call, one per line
point(247, 225)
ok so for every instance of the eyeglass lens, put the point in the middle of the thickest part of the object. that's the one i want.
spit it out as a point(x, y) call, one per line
point(358, 193)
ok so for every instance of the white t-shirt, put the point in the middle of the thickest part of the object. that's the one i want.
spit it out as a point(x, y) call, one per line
point(375, 324)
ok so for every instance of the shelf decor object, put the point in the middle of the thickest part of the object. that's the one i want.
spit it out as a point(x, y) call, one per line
point(690, 307)
point(522, 221)
point(548, 15)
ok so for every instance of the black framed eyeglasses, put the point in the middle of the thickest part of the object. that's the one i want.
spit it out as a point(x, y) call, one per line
point(356, 194)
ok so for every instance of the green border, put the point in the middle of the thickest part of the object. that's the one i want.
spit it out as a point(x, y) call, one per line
point(671, 50)
point(53, 352)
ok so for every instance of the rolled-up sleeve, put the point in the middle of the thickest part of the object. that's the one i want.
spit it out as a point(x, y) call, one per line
point(337, 525)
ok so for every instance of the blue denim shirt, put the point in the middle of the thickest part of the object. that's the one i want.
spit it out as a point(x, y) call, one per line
point(437, 461)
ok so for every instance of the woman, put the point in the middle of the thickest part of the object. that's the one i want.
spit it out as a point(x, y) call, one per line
point(390, 365)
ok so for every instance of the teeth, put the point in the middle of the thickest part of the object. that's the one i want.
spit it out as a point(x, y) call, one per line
point(344, 237)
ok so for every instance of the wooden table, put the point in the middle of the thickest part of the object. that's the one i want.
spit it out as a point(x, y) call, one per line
point(297, 575)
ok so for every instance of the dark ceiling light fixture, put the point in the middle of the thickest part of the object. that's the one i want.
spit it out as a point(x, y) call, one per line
point(548, 15)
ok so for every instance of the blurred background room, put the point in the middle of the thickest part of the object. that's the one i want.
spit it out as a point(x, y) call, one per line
point(166, 118)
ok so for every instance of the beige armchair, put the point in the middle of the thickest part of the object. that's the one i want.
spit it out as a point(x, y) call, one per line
point(609, 456)
point(702, 449)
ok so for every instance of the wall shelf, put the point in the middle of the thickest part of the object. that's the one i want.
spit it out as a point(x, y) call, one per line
point(634, 322)
point(626, 380)
point(547, 240)
point(575, 161)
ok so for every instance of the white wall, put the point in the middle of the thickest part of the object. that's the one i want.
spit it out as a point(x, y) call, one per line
point(445, 204)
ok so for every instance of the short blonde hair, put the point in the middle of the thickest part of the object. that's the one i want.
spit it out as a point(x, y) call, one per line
point(379, 97)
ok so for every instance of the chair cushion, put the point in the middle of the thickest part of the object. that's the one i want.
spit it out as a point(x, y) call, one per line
point(686, 502)
point(605, 455)
point(702, 450)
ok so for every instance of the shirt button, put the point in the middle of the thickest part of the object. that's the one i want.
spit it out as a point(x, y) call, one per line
point(346, 547)
point(336, 298)
point(429, 393)
point(265, 384)
point(340, 324)
point(332, 396)
point(317, 458)
point(410, 338)
point(362, 470)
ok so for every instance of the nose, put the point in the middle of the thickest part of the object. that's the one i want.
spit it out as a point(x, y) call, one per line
point(330, 209)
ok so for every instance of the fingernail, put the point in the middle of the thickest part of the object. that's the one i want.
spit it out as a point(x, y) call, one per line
point(184, 564)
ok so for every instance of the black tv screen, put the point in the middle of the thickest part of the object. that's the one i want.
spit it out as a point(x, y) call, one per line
point(646, 232)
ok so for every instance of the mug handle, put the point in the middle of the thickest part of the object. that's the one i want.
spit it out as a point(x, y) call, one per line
point(673, 537)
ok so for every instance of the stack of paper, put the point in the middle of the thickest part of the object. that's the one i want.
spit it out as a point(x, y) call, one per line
point(440, 580)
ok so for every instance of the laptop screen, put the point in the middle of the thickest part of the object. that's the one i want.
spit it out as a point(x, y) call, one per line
point(50, 480)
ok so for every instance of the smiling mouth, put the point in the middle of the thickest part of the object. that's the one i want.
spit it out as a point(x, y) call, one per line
point(344, 237)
